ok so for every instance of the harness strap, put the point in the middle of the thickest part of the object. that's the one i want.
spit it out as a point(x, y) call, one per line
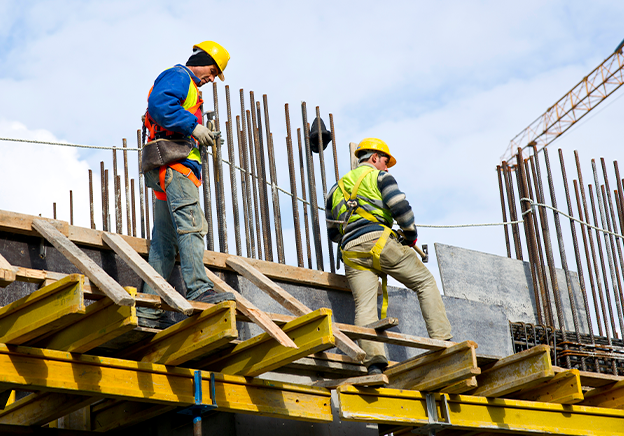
point(351, 199)
point(375, 253)
point(186, 172)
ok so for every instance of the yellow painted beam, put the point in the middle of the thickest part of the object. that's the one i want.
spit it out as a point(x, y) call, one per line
point(102, 321)
point(47, 309)
point(563, 388)
point(194, 337)
point(405, 407)
point(435, 370)
point(611, 395)
point(42, 407)
point(55, 371)
point(312, 333)
point(513, 373)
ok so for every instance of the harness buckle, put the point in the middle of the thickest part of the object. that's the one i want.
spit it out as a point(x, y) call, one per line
point(352, 204)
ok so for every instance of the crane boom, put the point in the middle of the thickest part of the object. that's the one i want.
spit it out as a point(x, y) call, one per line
point(603, 81)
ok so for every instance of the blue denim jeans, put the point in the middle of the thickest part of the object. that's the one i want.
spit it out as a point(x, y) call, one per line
point(179, 226)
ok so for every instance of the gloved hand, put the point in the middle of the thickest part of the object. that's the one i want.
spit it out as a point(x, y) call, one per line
point(204, 135)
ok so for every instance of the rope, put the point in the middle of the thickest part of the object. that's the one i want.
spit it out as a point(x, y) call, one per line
point(32, 141)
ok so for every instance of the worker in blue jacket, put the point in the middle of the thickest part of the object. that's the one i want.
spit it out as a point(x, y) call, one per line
point(172, 167)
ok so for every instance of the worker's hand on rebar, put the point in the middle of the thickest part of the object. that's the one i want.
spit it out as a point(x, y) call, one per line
point(204, 135)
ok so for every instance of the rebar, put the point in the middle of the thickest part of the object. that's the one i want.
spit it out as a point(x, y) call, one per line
point(502, 199)
point(103, 189)
point(316, 230)
point(249, 233)
point(512, 210)
point(279, 234)
point(256, 122)
point(231, 158)
point(91, 210)
point(54, 210)
point(132, 196)
point(333, 135)
point(206, 189)
point(71, 207)
point(248, 179)
point(303, 195)
point(330, 246)
point(141, 193)
point(117, 192)
point(107, 202)
point(620, 195)
point(217, 166)
point(127, 185)
point(293, 189)
point(253, 181)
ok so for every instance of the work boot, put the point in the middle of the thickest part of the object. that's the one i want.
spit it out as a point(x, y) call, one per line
point(161, 322)
point(377, 368)
point(213, 297)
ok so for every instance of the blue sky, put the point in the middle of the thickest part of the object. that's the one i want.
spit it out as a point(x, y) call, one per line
point(445, 84)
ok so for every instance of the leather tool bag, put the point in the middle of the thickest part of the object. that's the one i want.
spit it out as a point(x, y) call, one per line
point(164, 151)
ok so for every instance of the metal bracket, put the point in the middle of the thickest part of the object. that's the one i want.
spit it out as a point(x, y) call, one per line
point(42, 248)
point(432, 413)
point(425, 249)
point(199, 408)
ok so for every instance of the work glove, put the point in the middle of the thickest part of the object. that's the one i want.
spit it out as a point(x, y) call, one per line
point(204, 135)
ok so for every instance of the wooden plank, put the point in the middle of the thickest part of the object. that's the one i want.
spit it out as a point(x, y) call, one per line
point(102, 322)
point(42, 407)
point(611, 396)
point(563, 388)
point(43, 311)
point(365, 380)
point(189, 339)
point(256, 315)
point(84, 263)
point(149, 275)
point(592, 379)
point(383, 324)
point(25, 367)
point(313, 366)
point(276, 292)
point(435, 370)
point(461, 386)
point(7, 274)
point(518, 371)
point(356, 332)
point(312, 332)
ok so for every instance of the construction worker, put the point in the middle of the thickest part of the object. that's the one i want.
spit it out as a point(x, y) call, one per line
point(363, 205)
point(172, 166)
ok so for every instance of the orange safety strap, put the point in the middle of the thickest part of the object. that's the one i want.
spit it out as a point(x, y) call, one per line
point(185, 171)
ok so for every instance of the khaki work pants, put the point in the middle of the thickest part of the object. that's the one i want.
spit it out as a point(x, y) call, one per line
point(404, 264)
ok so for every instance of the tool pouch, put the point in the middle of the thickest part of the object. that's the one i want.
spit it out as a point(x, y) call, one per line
point(164, 151)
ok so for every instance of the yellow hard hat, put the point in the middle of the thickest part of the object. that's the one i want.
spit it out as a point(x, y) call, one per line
point(375, 144)
point(218, 53)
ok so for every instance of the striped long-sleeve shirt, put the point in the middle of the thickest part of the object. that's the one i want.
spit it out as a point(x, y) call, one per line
point(393, 199)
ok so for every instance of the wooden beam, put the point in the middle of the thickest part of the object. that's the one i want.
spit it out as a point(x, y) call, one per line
point(260, 354)
point(435, 370)
point(84, 263)
point(43, 311)
point(256, 315)
point(365, 380)
point(563, 388)
point(7, 274)
point(383, 324)
point(21, 223)
point(461, 386)
point(356, 332)
point(102, 321)
point(276, 292)
point(144, 270)
point(518, 371)
point(407, 407)
point(42, 407)
point(611, 396)
point(189, 339)
point(25, 367)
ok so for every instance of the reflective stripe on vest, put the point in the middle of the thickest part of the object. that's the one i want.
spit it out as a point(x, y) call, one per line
point(186, 172)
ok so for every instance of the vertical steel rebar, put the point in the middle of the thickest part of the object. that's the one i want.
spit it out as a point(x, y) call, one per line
point(577, 256)
point(330, 246)
point(333, 135)
point(71, 207)
point(617, 284)
point(512, 210)
point(527, 216)
point(277, 214)
point(248, 177)
point(103, 189)
point(247, 216)
point(303, 195)
point(590, 272)
point(232, 159)
point(107, 202)
point(254, 179)
point(620, 193)
point(54, 210)
point(256, 122)
point(316, 230)
point(141, 193)
point(127, 185)
point(293, 189)
point(217, 166)
point(133, 197)
point(91, 211)
point(207, 191)
point(117, 192)
point(502, 199)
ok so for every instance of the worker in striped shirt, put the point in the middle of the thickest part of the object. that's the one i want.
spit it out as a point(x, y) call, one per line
point(361, 209)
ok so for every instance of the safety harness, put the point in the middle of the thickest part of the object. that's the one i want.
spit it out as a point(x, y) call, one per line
point(375, 252)
point(185, 171)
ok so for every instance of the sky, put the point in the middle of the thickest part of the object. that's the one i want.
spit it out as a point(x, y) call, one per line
point(446, 84)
